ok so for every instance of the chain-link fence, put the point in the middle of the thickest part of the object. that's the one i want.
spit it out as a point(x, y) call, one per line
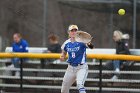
point(43, 17)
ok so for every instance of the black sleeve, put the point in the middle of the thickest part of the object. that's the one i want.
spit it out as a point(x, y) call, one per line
point(58, 49)
point(49, 48)
point(90, 45)
point(125, 48)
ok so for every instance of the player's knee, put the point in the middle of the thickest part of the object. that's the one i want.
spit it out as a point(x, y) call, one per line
point(64, 83)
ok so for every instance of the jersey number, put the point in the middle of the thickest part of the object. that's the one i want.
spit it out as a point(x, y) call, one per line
point(73, 55)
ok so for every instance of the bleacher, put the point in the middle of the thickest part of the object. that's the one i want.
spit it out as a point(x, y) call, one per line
point(49, 79)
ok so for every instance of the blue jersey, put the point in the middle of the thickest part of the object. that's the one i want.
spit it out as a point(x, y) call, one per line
point(76, 52)
point(22, 46)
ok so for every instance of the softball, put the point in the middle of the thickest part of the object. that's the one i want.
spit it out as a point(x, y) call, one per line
point(121, 12)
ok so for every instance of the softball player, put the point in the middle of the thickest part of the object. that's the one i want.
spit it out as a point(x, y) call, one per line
point(77, 68)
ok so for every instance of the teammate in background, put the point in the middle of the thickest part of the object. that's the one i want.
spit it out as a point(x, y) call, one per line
point(19, 45)
point(54, 46)
point(77, 67)
point(121, 48)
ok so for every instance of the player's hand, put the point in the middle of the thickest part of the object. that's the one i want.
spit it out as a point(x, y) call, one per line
point(62, 58)
point(90, 45)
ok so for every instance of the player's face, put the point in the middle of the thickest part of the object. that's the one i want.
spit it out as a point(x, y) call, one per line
point(16, 38)
point(72, 33)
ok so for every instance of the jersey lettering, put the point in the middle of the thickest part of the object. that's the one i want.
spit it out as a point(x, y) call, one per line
point(73, 55)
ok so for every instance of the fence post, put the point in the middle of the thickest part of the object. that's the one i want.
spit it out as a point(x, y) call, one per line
point(100, 76)
point(21, 75)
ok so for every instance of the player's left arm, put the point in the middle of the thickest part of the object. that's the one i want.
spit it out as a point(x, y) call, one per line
point(25, 47)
